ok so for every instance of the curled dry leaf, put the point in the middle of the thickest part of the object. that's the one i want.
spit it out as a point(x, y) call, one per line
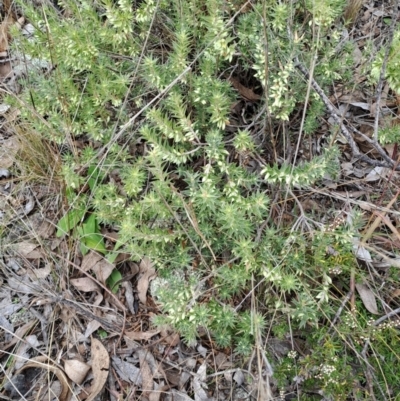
point(85, 284)
point(361, 252)
point(42, 362)
point(76, 370)
point(147, 272)
point(100, 366)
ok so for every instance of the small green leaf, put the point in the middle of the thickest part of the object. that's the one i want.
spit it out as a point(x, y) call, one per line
point(69, 221)
point(111, 256)
point(387, 20)
point(113, 279)
point(102, 334)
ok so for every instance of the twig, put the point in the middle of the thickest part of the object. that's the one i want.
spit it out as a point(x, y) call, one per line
point(340, 310)
point(389, 163)
point(376, 323)
point(383, 71)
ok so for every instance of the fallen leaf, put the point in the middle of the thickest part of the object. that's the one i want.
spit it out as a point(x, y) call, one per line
point(22, 284)
point(147, 377)
point(7, 152)
point(362, 105)
point(238, 377)
point(4, 173)
point(130, 300)
point(147, 274)
point(172, 338)
point(90, 260)
point(103, 269)
point(368, 298)
point(92, 326)
point(393, 295)
point(377, 173)
point(155, 367)
point(25, 248)
point(247, 93)
point(127, 371)
point(361, 252)
point(22, 354)
point(158, 391)
point(141, 335)
point(76, 370)
point(184, 376)
point(41, 273)
point(20, 333)
point(180, 396)
point(100, 366)
point(85, 284)
point(199, 383)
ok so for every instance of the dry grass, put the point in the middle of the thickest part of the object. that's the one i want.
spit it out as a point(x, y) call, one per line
point(352, 9)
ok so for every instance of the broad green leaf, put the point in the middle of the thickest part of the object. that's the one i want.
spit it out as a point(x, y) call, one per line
point(69, 221)
point(90, 237)
point(112, 281)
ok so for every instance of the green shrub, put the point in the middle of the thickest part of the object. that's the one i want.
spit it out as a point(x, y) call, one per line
point(179, 193)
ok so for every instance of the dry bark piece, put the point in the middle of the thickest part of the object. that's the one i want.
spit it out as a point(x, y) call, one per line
point(100, 366)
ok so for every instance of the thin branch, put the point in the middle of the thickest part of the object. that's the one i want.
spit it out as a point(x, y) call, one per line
point(383, 71)
point(388, 163)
